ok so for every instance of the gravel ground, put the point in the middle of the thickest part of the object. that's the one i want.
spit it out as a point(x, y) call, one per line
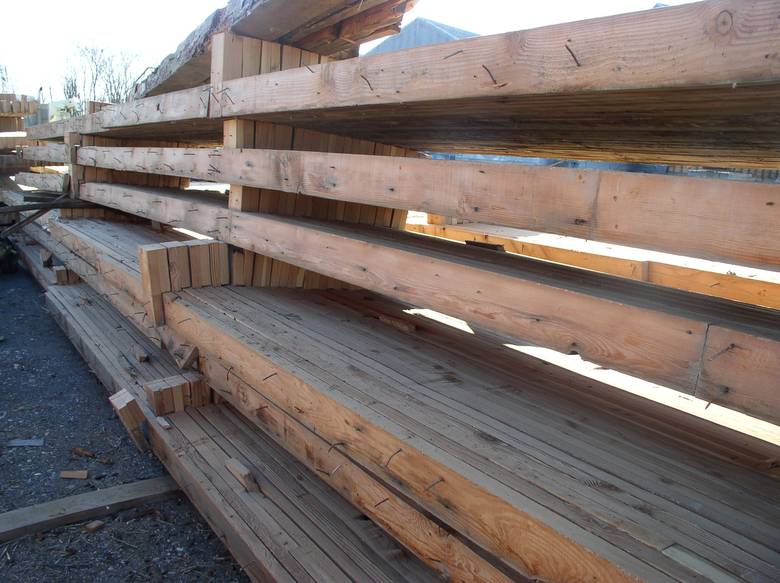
point(48, 391)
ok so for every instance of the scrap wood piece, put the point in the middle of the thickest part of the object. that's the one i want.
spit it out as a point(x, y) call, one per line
point(241, 473)
point(32, 519)
point(74, 474)
point(94, 526)
point(183, 353)
point(129, 412)
point(82, 452)
point(34, 442)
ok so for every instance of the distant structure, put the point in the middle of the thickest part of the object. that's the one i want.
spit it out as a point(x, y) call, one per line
point(418, 33)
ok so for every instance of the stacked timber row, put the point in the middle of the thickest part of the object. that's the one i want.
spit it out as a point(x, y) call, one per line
point(13, 110)
point(346, 399)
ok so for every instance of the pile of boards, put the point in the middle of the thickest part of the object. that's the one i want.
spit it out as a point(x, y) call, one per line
point(13, 110)
point(344, 399)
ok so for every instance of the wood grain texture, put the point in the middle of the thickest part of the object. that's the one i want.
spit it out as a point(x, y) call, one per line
point(708, 218)
point(740, 371)
point(297, 530)
point(695, 84)
point(81, 507)
point(358, 389)
point(523, 538)
point(655, 334)
point(631, 263)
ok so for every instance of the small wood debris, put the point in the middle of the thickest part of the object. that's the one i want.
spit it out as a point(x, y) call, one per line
point(81, 452)
point(94, 526)
point(242, 474)
point(34, 442)
point(74, 474)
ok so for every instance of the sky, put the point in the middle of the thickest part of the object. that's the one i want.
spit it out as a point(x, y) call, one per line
point(151, 29)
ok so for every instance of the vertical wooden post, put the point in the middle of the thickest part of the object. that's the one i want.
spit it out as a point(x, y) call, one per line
point(76, 172)
point(232, 57)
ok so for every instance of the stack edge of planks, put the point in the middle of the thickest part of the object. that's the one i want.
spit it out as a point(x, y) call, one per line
point(13, 110)
point(344, 398)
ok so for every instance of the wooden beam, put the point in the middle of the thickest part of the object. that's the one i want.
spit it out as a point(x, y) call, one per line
point(629, 263)
point(688, 95)
point(619, 324)
point(421, 96)
point(49, 205)
point(723, 220)
point(44, 181)
point(49, 153)
point(179, 264)
point(553, 59)
point(81, 507)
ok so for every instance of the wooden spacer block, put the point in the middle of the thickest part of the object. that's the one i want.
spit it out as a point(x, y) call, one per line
point(241, 473)
point(61, 274)
point(200, 263)
point(220, 263)
point(155, 273)
point(237, 276)
point(166, 395)
point(198, 392)
point(178, 264)
point(129, 412)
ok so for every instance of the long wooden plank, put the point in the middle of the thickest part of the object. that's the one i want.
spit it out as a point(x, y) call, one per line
point(749, 286)
point(714, 219)
point(49, 153)
point(655, 334)
point(186, 107)
point(81, 507)
point(423, 96)
point(688, 84)
point(51, 181)
point(677, 46)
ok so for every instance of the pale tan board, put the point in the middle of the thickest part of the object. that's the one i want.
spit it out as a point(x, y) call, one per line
point(716, 219)
point(81, 507)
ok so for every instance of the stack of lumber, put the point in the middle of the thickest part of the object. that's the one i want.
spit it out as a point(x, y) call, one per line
point(291, 526)
point(346, 399)
point(13, 110)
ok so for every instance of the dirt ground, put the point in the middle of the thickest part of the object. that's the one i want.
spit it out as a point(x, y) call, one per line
point(48, 391)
